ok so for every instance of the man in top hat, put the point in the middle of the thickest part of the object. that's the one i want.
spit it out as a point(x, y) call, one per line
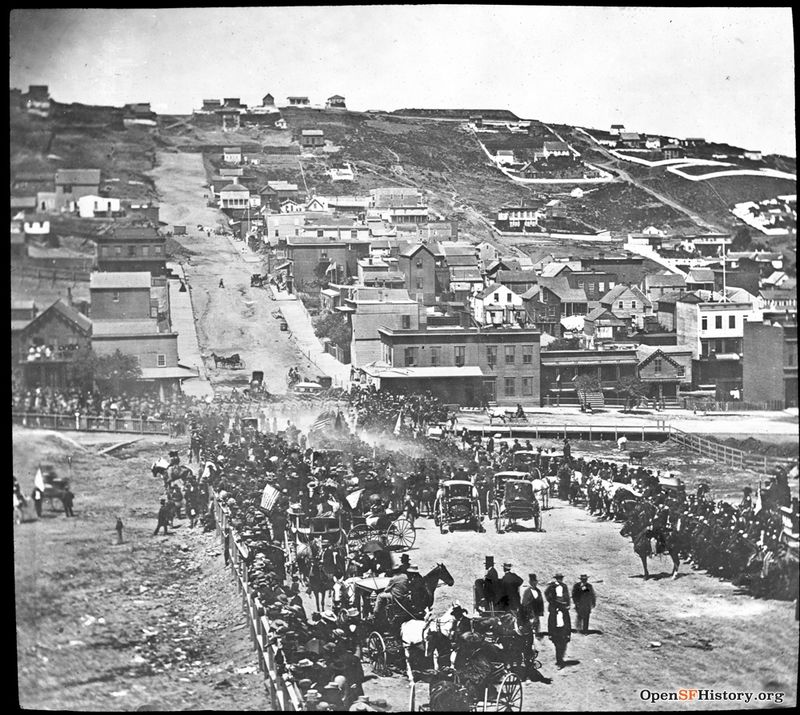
point(405, 562)
point(583, 597)
point(491, 585)
point(559, 625)
point(557, 591)
point(397, 590)
point(509, 589)
point(418, 591)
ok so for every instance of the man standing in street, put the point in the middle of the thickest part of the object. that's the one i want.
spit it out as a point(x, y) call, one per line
point(67, 500)
point(118, 528)
point(163, 517)
point(557, 590)
point(491, 585)
point(532, 603)
point(509, 589)
point(559, 625)
point(37, 500)
point(584, 599)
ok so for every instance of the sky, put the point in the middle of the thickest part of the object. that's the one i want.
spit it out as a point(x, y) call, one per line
point(725, 74)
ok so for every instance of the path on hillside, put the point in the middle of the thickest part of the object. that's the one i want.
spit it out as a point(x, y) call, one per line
point(613, 164)
point(234, 318)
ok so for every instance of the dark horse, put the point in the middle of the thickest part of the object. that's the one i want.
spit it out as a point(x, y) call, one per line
point(646, 525)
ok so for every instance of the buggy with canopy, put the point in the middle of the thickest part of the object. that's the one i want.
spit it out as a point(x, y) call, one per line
point(514, 501)
point(459, 506)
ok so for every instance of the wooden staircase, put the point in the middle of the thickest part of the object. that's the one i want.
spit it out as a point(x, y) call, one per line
point(592, 398)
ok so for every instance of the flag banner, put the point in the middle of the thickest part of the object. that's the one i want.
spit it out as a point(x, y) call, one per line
point(268, 497)
point(352, 499)
point(38, 480)
point(757, 504)
point(399, 422)
point(323, 423)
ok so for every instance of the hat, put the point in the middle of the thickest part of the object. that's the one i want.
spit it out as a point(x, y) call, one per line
point(490, 560)
point(353, 612)
point(583, 576)
point(559, 575)
point(507, 566)
point(412, 569)
point(405, 557)
point(304, 663)
point(328, 616)
point(532, 577)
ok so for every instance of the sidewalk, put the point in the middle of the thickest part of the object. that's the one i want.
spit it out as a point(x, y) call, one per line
point(182, 320)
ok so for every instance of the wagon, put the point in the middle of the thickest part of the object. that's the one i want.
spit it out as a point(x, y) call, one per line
point(391, 528)
point(383, 650)
point(304, 529)
point(514, 501)
point(54, 485)
point(638, 455)
point(458, 507)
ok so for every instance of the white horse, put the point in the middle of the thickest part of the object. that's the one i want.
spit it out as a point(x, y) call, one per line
point(417, 633)
point(541, 490)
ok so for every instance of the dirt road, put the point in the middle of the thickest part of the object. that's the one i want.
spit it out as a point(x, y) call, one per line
point(231, 319)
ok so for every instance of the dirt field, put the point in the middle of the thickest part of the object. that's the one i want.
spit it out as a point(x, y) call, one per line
point(154, 623)
point(236, 318)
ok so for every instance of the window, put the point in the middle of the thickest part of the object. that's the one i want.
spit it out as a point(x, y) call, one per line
point(118, 250)
point(718, 322)
point(161, 360)
point(600, 286)
point(491, 356)
point(633, 305)
point(411, 357)
point(510, 386)
point(320, 233)
point(67, 188)
point(418, 264)
point(435, 356)
point(460, 355)
point(680, 371)
point(508, 298)
point(527, 387)
point(406, 322)
point(704, 323)
point(511, 351)
point(657, 366)
point(620, 305)
point(419, 283)
point(158, 250)
point(131, 251)
point(731, 321)
point(496, 297)
point(527, 354)
point(145, 250)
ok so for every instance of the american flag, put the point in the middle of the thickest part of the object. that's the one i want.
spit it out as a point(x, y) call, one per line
point(268, 497)
point(323, 423)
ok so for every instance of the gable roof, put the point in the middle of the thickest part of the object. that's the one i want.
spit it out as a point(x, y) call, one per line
point(552, 269)
point(700, 275)
point(78, 176)
point(517, 276)
point(664, 280)
point(556, 146)
point(414, 248)
point(68, 313)
point(561, 287)
point(312, 132)
point(621, 289)
point(644, 359)
point(488, 290)
point(235, 187)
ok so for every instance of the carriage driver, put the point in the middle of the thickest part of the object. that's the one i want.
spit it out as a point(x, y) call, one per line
point(396, 590)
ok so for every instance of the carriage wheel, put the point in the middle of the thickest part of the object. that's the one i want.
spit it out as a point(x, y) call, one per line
point(376, 650)
point(443, 528)
point(358, 536)
point(509, 695)
point(400, 535)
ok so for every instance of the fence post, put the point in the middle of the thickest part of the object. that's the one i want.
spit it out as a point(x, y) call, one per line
point(642, 433)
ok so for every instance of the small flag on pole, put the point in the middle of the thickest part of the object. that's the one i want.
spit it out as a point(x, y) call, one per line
point(323, 423)
point(757, 504)
point(38, 480)
point(352, 499)
point(399, 422)
point(268, 497)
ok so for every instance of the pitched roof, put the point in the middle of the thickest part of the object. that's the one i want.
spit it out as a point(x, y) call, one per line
point(700, 275)
point(23, 202)
point(664, 280)
point(414, 248)
point(235, 187)
point(78, 176)
point(647, 353)
point(75, 317)
point(552, 269)
point(561, 287)
point(232, 150)
point(312, 132)
point(122, 279)
point(136, 233)
point(629, 136)
point(336, 96)
point(516, 276)
point(621, 289)
point(556, 146)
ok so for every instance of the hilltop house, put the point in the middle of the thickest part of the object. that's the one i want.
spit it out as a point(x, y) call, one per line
point(617, 129)
point(268, 100)
point(210, 106)
point(91, 206)
point(496, 305)
point(298, 101)
point(234, 196)
point(232, 155)
point(335, 102)
point(230, 119)
point(557, 148)
point(37, 101)
point(628, 303)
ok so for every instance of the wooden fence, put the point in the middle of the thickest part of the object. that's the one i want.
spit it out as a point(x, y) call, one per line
point(86, 423)
point(762, 464)
point(283, 693)
point(69, 275)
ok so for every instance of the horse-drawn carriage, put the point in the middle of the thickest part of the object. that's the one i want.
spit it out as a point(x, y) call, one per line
point(389, 527)
point(54, 486)
point(514, 500)
point(234, 361)
point(309, 537)
point(458, 506)
point(257, 280)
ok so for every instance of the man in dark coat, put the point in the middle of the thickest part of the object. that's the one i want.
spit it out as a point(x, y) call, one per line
point(557, 591)
point(491, 585)
point(559, 627)
point(163, 517)
point(532, 603)
point(509, 590)
point(67, 500)
point(583, 597)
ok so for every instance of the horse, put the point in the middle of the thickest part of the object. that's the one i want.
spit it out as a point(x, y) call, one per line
point(644, 524)
point(309, 558)
point(432, 633)
point(541, 490)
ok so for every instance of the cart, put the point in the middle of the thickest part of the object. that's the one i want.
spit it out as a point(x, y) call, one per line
point(514, 501)
point(459, 506)
point(391, 528)
point(305, 534)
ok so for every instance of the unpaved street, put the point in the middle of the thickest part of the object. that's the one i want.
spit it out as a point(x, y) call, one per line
point(231, 319)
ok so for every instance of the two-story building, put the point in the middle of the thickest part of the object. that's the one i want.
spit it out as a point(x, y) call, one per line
point(319, 258)
point(312, 138)
point(713, 330)
point(131, 249)
point(560, 369)
point(657, 284)
point(665, 370)
point(71, 184)
point(496, 305)
point(335, 102)
point(470, 366)
point(544, 314)
point(628, 303)
point(601, 326)
point(231, 155)
point(92, 206)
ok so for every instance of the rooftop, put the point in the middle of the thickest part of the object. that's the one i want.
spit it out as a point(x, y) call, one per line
point(78, 176)
point(122, 279)
point(116, 328)
point(423, 372)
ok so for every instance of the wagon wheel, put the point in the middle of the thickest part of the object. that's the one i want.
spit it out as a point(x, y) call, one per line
point(499, 521)
point(443, 528)
point(400, 535)
point(376, 649)
point(509, 695)
point(358, 536)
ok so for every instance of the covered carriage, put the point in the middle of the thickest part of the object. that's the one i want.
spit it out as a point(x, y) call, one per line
point(514, 500)
point(458, 506)
point(389, 527)
point(307, 534)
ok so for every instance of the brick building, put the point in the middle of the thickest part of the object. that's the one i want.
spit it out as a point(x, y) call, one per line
point(132, 249)
point(318, 258)
point(769, 362)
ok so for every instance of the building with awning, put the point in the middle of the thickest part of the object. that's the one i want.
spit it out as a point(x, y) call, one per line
point(450, 384)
